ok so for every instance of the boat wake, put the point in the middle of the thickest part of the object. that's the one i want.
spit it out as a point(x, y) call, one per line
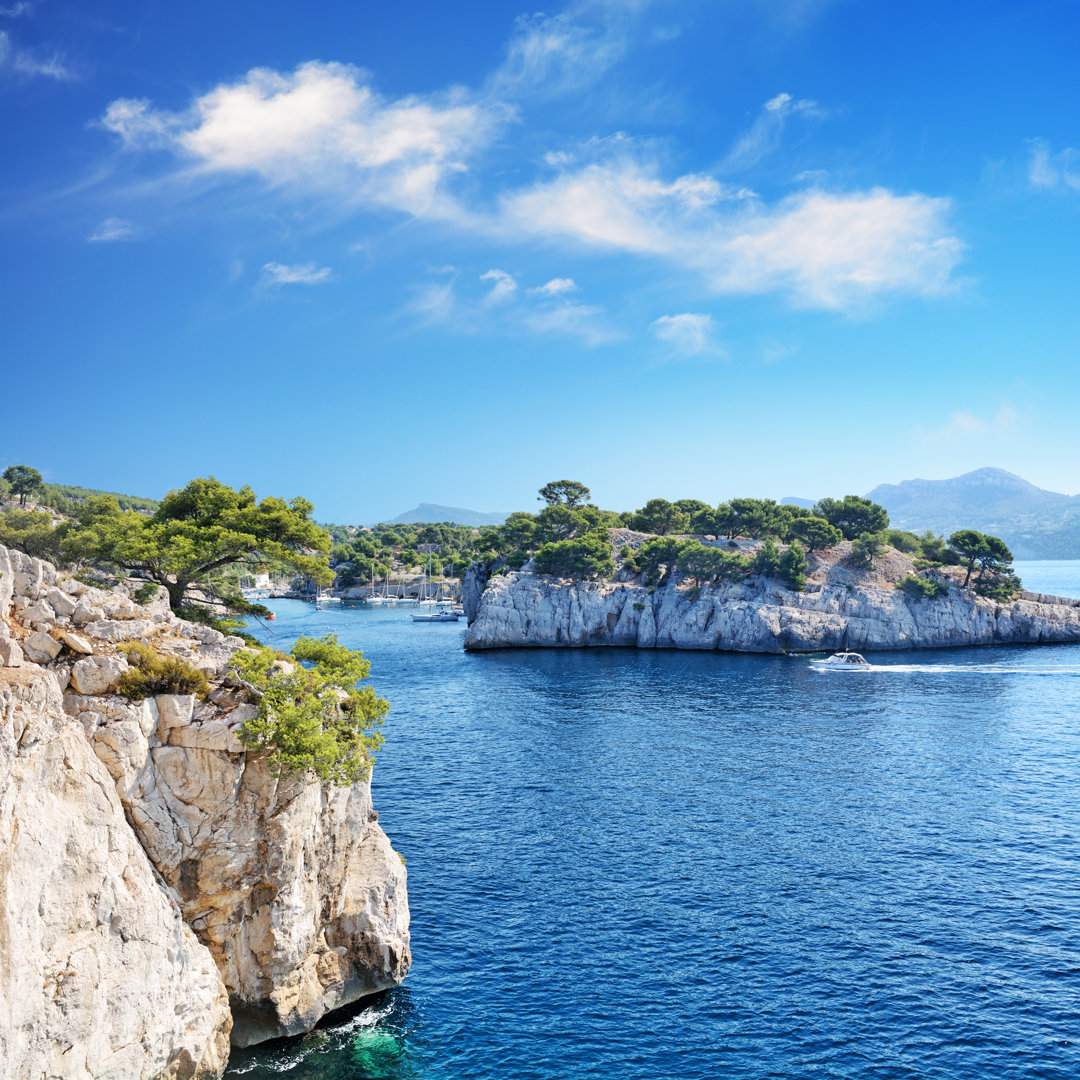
point(1056, 671)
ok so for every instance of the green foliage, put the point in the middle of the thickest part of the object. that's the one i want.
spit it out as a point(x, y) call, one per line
point(1004, 588)
point(656, 559)
point(313, 718)
point(988, 552)
point(814, 532)
point(866, 547)
point(146, 592)
point(932, 548)
point(31, 532)
point(767, 559)
point(661, 517)
point(920, 588)
point(907, 542)
point(710, 564)
point(853, 515)
point(559, 522)
point(691, 506)
point(197, 530)
point(586, 558)
point(23, 480)
point(793, 567)
point(567, 493)
point(151, 673)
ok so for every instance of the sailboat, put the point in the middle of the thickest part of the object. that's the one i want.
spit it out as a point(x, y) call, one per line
point(435, 610)
point(373, 597)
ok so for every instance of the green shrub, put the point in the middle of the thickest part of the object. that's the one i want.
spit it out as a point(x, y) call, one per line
point(866, 547)
point(313, 720)
point(639, 606)
point(585, 558)
point(793, 567)
point(767, 559)
point(1004, 588)
point(151, 673)
point(146, 592)
point(920, 588)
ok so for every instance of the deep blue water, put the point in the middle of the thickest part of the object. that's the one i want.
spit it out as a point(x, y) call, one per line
point(657, 864)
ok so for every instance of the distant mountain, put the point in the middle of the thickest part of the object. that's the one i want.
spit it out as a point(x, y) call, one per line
point(1035, 523)
point(431, 512)
point(794, 500)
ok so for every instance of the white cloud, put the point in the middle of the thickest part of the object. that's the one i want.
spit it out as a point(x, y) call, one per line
point(322, 127)
point(963, 425)
point(687, 334)
point(16, 11)
point(502, 288)
point(111, 230)
point(30, 62)
point(1048, 171)
point(275, 273)
point(763, 136)
point(555, 287)
point(823, 250)
point(552, 55)
point(570, 319)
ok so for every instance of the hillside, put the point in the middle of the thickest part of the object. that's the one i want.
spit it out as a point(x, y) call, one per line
point(1035, 523)
point(432, 512)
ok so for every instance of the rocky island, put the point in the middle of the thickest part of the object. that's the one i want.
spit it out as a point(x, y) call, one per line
point(162, 893)
point(844, 603)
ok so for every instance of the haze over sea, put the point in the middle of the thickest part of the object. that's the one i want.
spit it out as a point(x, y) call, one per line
point(668, 864)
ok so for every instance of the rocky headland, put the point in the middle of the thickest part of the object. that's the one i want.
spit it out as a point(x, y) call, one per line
point(162, 895)
point(843, 605)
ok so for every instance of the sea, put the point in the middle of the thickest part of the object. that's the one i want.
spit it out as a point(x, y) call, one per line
point(639, 865)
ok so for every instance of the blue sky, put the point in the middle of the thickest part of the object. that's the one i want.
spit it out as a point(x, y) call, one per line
point(377, 254)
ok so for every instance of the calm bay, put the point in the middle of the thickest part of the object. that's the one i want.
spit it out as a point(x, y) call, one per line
point(637, 864)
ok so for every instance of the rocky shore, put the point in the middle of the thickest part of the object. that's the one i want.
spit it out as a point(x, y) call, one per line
point(161, 893)
point(842, 606)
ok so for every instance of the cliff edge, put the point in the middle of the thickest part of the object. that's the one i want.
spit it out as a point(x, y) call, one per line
point(160, 891)
point(842, 606)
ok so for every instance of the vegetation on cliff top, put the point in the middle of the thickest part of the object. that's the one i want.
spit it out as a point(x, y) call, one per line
point(313, 719)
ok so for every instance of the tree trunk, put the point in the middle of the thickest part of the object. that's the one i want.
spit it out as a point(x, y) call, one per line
point(176, 594)
point(970, 567)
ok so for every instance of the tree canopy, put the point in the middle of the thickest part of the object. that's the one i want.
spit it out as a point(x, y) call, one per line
point(24, 480)
point(988, 552)
point(199, 529)
point(564, 493)
point(853, 515)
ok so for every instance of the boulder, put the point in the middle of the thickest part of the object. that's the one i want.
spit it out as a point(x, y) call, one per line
point(98, 674)
point(174, 710)
point(76, 643)
point(119, 630)
point(41, 648)
point(11, 654)
point(60, 602)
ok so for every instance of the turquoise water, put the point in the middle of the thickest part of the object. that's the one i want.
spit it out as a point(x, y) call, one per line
point(656, 864)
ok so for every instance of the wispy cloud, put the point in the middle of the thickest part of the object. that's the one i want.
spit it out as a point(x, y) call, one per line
point(963, 425)
point(555, 287)
point(275, 273)
point(16, 11)
point(505, 308)
point(549, 56)
point(111, 230)
point(31, 62)
point(763, 135)
point(687, 334)
point(322, 127)
point(1048, 171)
point(503, 285)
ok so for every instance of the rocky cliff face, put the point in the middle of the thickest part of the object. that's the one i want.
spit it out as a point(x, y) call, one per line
point(284, 900)
point(841, 606)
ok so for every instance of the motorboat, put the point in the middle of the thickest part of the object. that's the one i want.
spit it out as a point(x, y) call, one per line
point(440, 614)
point(842, 661)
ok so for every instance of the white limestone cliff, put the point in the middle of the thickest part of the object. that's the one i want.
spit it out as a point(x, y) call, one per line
point(289, 894)
point(841, 607)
